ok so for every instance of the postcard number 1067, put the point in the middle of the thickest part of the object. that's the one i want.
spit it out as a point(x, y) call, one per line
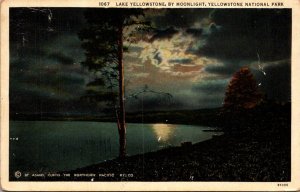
point(104, 4)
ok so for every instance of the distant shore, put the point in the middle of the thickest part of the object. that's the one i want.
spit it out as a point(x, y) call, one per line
point(204, 117)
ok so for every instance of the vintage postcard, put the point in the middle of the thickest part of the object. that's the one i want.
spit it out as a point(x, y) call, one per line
point(150, 95)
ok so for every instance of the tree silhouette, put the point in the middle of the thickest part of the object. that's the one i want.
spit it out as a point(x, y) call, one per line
point(103, 40)
point(242, 92)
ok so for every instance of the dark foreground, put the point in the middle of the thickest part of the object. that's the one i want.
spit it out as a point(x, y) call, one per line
point(224, 158)
point(255, 147)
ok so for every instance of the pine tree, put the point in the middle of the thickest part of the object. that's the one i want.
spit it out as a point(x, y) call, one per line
point(103, 41)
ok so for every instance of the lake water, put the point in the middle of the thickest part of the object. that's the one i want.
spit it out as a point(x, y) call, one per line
point(39, 146)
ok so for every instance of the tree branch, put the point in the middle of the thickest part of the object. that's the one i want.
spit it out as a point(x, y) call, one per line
point(147, 90)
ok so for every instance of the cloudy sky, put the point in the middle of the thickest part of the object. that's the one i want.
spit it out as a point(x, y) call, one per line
point(192, 54)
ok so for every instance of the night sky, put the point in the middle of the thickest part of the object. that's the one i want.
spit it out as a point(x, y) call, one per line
point(192, 54)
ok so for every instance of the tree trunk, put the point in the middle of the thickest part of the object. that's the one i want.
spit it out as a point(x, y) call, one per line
point(121, 116)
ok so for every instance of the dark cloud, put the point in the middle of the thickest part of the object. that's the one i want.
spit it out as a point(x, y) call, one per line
point(163, 34)
point(194, 31)
point(221, 70)
point(43, 75)
point(18, 65)
point(41, 24)
point(61, 58)
point(41, 92)
point(181, 61)
point(227, 68)
point(157, 57)
point(68, 20)
point(180, 18)
point(29, 51)
point(244, 32)
point(30, 103)
point(276, 84)
point(135, 49)
point(211, 87)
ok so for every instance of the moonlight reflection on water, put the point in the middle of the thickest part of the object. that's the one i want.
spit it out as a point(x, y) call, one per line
point(163, 132)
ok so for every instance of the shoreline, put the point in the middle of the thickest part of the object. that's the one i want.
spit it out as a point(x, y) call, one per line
point(216, 159)
point(255, 147)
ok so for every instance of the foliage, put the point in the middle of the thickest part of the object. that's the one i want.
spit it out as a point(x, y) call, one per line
point(100, 38)
point(242, 91)
point(101, 42)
